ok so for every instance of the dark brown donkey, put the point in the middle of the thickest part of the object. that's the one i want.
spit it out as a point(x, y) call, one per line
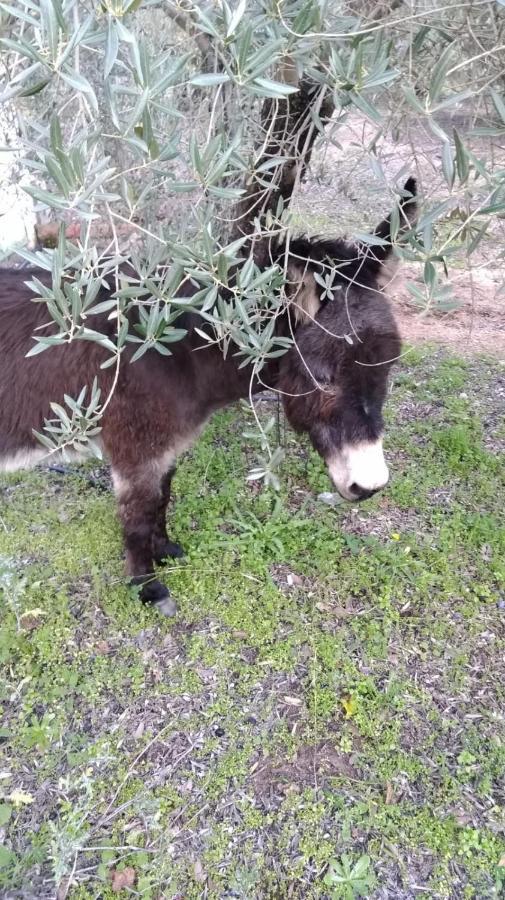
point(333, 388)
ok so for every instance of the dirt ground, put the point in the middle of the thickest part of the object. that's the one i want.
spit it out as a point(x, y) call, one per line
point(340, 196)
point(478, 326)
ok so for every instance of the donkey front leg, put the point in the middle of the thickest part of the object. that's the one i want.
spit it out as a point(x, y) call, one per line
point(138, 501)
point(162, 546)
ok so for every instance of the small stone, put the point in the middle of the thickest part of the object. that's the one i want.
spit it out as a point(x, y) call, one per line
point(329, 498)
point(219, 732)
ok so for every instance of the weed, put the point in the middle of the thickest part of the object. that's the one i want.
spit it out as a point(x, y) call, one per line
point(347, 879)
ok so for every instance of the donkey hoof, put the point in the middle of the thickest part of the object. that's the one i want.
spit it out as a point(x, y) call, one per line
point(165, 549)
point(166, 607)
point(156, 594)
point(174, 550)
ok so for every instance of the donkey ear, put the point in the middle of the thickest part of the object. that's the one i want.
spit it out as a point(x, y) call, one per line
point(302, 293)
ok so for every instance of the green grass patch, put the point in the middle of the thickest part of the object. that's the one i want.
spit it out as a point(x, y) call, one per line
point(323, 718)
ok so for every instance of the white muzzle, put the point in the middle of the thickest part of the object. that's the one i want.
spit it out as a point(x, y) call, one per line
point(358, 469)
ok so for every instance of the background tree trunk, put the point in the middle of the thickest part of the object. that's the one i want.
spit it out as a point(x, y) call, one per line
point(290, 130)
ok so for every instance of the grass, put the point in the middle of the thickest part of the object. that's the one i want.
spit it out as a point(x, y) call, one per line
point(324, 718)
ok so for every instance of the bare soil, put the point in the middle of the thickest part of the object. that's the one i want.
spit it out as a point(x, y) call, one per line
point(340, 196)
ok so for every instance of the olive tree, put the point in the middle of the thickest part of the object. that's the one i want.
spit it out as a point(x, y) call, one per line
point(173, 136)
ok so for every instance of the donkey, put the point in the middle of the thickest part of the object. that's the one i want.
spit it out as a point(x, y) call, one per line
point(332, 388)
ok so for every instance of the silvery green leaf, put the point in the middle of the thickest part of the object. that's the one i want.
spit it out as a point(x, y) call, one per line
point(448, 163)
point(462, 162)
point(23, 48)
point(35, 88)
point(39, 259)
point(112, 46)
point(265, 87)
point(20, 13)
point(498, 101)
point(365, 106)
point(44, 440)
point(440, 72)
point(184, 187)
point(132, 6)
point(80, 83)
point(373, 240)
point(209, 79)
point(272, 163)
point(236, 17)
point(45, 197)
point(226, 193)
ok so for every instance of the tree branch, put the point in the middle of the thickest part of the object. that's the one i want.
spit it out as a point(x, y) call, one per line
point(290, 132)
point(184, 21)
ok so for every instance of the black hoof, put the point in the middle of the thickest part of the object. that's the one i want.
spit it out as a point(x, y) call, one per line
point(164, 549)
point(156, 594)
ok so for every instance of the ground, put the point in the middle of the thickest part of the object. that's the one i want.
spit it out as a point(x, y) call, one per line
point(324, 717)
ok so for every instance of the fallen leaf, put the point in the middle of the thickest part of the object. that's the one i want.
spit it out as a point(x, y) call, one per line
point(292, 701)
point(501, 862)
point(339, 612)
point(395, 536)
point(139, 731)
point(199, 872)
point(21, 798)
point(294, 579)
point(31, 619)
point(123, 878)
point(350, 705)
point(62, 891)
point(390, 795)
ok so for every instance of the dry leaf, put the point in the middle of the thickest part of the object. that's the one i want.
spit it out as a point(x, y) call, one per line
point(199, 872)
point(293, 579)
point(122, 879)
point(29, 623)
point(350, 705)
point(390, 794)
point(502, 861)
point(21, 798)
point(139, 731)
point(292, 701)
point(63, 889)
